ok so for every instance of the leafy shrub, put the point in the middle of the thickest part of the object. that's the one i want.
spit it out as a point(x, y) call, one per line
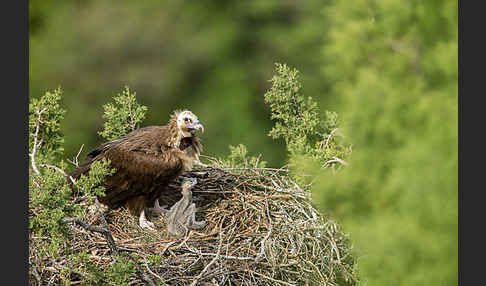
point(51, 198)
point(238, 158)
point(307, 132)
point(122, 116)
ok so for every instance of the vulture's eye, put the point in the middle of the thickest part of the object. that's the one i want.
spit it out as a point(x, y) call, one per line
point(186, 119)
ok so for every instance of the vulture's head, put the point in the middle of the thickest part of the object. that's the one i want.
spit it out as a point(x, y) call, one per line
point(188, 123)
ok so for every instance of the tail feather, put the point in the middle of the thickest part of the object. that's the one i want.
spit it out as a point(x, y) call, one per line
point(83, 169)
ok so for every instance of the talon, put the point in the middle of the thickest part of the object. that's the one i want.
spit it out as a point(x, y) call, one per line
point(144, 223)
point(147, 225)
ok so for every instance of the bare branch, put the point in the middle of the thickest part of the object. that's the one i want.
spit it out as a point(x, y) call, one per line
point(150, 271)
point(59, 170)
point(329, 137)
point(242, 258)
point(335, 160)
point(36, 138)
point(33, 267)
point(76, 161)
point(258, 160)
point(109, 237)
point(105, 232)
point(142, 274)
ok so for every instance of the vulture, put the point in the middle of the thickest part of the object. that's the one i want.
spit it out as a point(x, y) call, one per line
point(146, 161)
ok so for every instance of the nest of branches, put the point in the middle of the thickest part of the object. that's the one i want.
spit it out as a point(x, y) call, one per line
point(261, 230)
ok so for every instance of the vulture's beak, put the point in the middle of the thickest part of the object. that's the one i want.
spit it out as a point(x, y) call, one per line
point(197, 125)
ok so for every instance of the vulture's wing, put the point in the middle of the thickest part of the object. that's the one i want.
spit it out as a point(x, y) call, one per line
point(140, 173)
point(99, 153)
point(143, 163)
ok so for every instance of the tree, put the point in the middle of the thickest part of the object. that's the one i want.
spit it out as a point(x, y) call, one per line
point(308, 133)
point(392, 66)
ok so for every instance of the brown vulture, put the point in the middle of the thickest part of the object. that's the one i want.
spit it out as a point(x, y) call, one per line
point(146, 161)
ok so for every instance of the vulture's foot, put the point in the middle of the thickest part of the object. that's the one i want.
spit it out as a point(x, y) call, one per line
point(158, 209)
point(144, 223)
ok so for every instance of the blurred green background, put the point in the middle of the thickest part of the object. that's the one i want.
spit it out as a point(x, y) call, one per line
point(388, 67)
point(214, 58)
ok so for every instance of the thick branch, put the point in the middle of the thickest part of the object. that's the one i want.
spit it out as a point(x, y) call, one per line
point(104, 231)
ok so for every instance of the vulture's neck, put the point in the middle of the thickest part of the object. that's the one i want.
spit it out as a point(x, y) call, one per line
point(176, 134)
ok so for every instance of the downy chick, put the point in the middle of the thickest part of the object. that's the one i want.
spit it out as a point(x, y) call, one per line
point(181, 216)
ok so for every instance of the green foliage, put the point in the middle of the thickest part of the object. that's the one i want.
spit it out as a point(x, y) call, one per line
point(121, 271)
point(51, 199)
point(154, 259)
point(122, 116)
point(238, 158)
point(307, 132)
point(393, 69)
point(93, 184)
point(45, 116)
point(49, 204)
point(81, 264)
point(49, 195)
point(295, 117)
point(298, 120)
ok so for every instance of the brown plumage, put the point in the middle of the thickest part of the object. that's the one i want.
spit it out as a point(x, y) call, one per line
point(146, 161)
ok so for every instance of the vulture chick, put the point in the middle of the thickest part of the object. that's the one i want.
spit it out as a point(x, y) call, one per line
point(146, 161)
point(181, 217)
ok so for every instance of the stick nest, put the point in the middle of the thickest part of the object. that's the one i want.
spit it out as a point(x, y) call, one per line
point(261, 230)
